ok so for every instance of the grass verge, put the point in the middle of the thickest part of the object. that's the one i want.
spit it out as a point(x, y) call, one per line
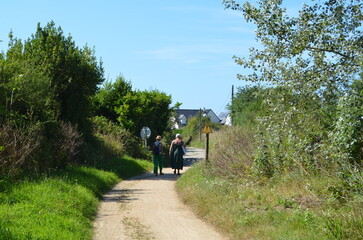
point(291, 207)
point(60, 206)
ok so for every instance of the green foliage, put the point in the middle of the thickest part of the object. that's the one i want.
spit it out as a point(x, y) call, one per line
point(196, 124)
point(46, 85)
point(347, 135)
point(247, 106)
point(145, 108)
point(292, 132)
point(40, 82)
point(48, 97)
point(114, 141)
point(302, 178)
point(48, 74)
point(309, 61)
point(319, 50)
point(134, 109)
point(38, 147)
point(110, 97)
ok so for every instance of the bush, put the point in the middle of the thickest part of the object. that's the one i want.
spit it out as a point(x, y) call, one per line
point(17, 149)
point(114, 140)
point(195, 125)
point(346, 139)
point(38, 147)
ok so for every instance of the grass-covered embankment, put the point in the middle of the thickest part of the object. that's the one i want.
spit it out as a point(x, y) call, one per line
point(288, 208)
point(61, 205)
point(290, 205)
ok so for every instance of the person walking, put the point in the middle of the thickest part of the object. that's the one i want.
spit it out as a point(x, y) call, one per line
point(176, 152)
point(158, 156)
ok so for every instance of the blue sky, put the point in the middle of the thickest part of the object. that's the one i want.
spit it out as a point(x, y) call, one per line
point(181, 47)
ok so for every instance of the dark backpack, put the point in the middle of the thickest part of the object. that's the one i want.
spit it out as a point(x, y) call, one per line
point(156, 148)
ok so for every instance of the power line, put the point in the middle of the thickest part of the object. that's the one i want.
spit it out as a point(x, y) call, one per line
point(225, 102)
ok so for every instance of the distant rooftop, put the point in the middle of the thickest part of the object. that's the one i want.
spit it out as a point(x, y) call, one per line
point(188, 113)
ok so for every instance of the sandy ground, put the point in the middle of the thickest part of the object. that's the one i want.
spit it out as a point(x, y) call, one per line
point(147, 207)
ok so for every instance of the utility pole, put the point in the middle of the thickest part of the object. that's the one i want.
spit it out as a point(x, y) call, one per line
point(232, 98)
point(200, 124)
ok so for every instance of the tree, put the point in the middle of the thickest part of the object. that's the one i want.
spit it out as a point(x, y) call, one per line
point(347, 135)
point(315, 57)
point(145, 108)
point(248, 105)
point(3, 90)
point(319, 50)
point(196, 124)
point(134, 109)
point(110, 97)
point(46, 85)
point(66, 74)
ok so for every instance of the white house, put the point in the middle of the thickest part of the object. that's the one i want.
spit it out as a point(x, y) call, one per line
point(213, 117)
point(226, 118)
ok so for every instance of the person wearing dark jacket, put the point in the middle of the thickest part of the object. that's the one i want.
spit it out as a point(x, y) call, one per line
point(176, 152)
point(158, 156)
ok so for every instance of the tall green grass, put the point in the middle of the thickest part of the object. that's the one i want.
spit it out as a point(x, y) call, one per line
point(62, 205)
point(226, 192)
point(288, 209)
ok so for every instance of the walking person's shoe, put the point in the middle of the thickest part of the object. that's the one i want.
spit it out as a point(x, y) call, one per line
point(161, 173)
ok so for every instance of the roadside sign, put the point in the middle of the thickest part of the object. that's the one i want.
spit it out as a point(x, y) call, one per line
point(145, 132)
point(207, 129)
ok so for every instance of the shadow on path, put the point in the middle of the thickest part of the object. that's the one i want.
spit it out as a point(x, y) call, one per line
point(123, 195)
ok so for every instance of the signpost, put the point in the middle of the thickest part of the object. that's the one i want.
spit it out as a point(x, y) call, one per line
point(145, 133)
point(207, 129)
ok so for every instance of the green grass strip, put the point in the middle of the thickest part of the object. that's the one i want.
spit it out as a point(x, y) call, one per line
point(61, 206)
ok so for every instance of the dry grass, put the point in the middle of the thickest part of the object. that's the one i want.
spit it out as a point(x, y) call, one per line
point(290, 205)
point(252, 210)
point(232, 152)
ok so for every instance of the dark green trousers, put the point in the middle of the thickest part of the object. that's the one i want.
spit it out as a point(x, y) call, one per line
point(158, 163)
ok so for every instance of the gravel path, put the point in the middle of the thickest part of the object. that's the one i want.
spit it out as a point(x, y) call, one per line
point(147, 207)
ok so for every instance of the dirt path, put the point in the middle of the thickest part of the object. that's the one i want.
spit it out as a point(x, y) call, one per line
point(147, 207)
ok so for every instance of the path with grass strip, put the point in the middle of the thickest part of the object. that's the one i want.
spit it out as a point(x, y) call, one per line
point(147, 207)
